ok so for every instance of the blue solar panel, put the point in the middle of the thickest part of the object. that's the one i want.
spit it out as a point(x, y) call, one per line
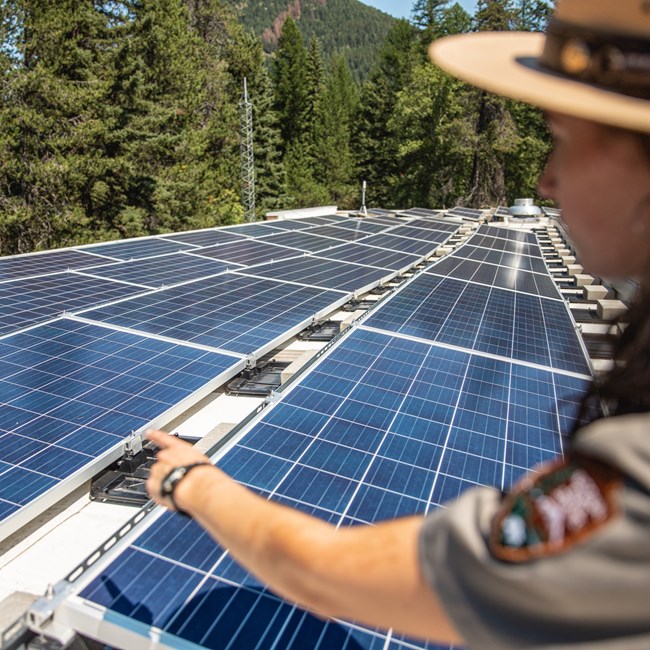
point(29, 301)
point(71, 391)
point(486, 319)
point(302, 240)
point(382, 427)
point(253, 229)
point(402, 244)
point(231, 312)
point(501, 258)
point(508, 245)
point(247, 252)
point(135, 249)
point(165, 270)
point(490, 274)
point(371, 256)
point(369, 226)
point(434, 224)
point(291, 224)
point(423, 234)
point(316, 271)
point(205, 237)
point(23, 266)
point(505, 233)
point(344, 234)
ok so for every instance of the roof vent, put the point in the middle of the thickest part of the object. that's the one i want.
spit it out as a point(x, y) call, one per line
point(524, 209)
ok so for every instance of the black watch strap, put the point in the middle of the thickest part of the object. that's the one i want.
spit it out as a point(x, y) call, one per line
point(175, 476)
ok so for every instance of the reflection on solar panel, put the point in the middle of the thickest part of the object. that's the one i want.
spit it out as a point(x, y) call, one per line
point(509, 260)
point(323, 221)
point(30, 301)
point(315, 271)
point(508, 245)
point(502, 211)
point(205, 237)
point(383, 427)
point(71, 392)
point(136, 249)
point(371, 256)
point(504, 233)
point(23, 266)
point(434, 224)
point(161, 271)
point(231, 312)
point(368, 226)
point(249, 251)
point(513, 278)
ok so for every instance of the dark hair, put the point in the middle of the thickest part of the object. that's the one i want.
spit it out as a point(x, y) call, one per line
point(626, 387)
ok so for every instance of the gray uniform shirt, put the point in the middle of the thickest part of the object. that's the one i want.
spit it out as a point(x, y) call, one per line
point(591, 594)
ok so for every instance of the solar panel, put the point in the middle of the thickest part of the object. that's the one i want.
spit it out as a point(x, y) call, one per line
point(248, 251)
point(384, 426)
point(252, 229)
point(505, 233)
point(389, 422)
point(402, 244)
point(291, 224)
point(368, 226)
point(421, 212)
point(344, 234)
point(319, 272)
point(501, 258)
point(33, 264)
point(371, 256)
point(231, 312)
point(513, 278)
point(421, 234)
point(465, 213)
point(134, 249)
point(205, 237)
point(508, 245)
point(29, 301)
point(302, 240)
point(434, 224)
point(71, 392)
point(162, 271)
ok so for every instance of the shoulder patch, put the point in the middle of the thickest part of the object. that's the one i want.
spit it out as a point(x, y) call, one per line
point(561, 504)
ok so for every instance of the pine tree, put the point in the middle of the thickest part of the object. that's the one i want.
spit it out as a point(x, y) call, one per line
point(333, 161)
point(289, 72)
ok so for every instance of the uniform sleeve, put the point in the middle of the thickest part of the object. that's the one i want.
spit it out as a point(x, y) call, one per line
point(594, 595)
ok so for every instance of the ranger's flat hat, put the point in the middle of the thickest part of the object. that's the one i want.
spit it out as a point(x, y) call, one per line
point(593, 62)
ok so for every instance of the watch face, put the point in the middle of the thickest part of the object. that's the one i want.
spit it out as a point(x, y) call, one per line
point(170, 480)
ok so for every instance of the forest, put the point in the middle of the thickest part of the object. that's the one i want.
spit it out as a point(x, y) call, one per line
point(120, 119)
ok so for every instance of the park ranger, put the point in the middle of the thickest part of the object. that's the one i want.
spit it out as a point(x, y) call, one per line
point(563, 560)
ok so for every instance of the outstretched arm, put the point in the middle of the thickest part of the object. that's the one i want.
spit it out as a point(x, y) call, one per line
point(369, 574)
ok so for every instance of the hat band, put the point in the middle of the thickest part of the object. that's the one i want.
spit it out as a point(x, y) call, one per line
point(615, 62)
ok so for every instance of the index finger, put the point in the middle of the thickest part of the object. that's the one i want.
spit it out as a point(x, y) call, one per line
point(162, 439)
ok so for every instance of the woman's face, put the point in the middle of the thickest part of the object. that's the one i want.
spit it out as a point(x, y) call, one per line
point(600, 177)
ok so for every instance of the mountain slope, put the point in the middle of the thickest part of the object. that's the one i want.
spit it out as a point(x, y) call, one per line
point(346, 26)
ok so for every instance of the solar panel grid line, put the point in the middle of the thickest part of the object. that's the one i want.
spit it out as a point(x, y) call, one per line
point(320, 255)
point(303, 284)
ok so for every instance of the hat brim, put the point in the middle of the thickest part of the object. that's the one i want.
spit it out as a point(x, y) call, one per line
point(506, 63)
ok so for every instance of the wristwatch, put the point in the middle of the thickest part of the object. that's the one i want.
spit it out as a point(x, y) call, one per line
point(175, 476)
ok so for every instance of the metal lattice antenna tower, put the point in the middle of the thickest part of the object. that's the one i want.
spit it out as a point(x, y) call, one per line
point(247, 157)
